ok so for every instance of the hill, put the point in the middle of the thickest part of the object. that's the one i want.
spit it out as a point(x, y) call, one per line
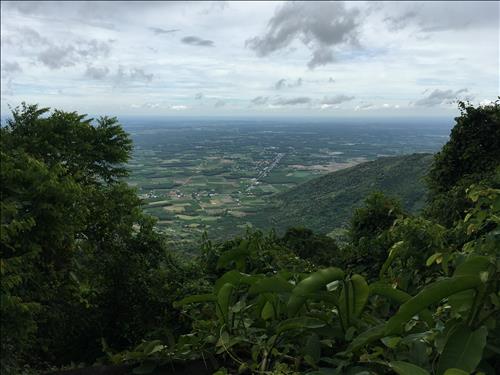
point(327, 202)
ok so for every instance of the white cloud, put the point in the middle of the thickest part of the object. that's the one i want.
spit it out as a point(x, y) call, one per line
point(116, 56)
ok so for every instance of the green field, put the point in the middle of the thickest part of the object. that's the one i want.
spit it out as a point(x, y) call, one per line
point(221, 178)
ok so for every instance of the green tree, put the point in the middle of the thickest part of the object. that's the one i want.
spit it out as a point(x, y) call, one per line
point(79, 257)
point(470, 156)
point(319, 249)
point(369, 233)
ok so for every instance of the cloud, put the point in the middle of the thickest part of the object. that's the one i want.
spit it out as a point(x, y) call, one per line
point(336, 99)
point(400, 21)
point(219, 103)
point(178, 107)
point(124, 76)
point(293, 101)
point(11, 67)
point(321, 26)
point(321, 56)
point(440, 16)
point(371, 106)
point(283, 83)
point(56, 56)
point(259, 100)
point(195, 41)
point(159, 30)
point(438, 97)
point(198, 96)
point(94, 72)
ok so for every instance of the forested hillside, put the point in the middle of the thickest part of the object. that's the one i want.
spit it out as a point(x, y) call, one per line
point(327, 202)
point(87, 282)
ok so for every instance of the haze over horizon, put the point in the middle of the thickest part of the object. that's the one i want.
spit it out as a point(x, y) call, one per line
point(327, 59)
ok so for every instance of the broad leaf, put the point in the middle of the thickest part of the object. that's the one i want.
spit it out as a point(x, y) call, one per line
point(274, 284)
point(405, 368)
point(300, 323)
point(196, 299)
point(430, 295)
point(315, 282)
point(463, 349)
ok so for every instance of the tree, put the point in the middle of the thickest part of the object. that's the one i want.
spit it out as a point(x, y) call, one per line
point(369, 232)
point(319, 249)
point(470, 156)
point(77, 253)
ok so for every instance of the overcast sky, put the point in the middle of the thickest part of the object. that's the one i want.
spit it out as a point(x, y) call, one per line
point(250, 58)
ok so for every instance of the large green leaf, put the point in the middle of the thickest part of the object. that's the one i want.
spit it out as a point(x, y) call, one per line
point(399, 297)
point(312, 349)
point(463, 349)
point(236, 255)
point(360, 294)
point(235, 277)
point(267, 311)
point(274, 284)
point(430, 295)
point(405, 368)
point(473, 266)
point(224, 300)
point(352, 299)
point(455, 371)
point(315, 282)
point(394, 251)
point(209, 297)
point(367, 337)
point(300, 323)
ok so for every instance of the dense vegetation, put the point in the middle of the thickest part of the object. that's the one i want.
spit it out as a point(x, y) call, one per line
point(86, 278)
point(327, 202)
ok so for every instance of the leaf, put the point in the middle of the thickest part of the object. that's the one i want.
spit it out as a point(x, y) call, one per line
point(432, 259)
point(315, 282)
point(391, 342)
point(399, 297)
point(236, 255)
point(232, 277)
point(473, 266)
point(313, 348)
point(300, 323)
point(224, 298)
point(367, 337)
point(274, 284)
point(431, 294)
point(463, 349)
point(405, 368)
point(360, 294)
point(455, 371)
point(267, 311)
point(394, 251)
point(196, 299)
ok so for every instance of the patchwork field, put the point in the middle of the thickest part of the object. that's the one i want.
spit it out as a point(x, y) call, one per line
point(197, 176)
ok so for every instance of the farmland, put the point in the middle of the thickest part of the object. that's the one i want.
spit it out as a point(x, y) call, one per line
point(217, 175)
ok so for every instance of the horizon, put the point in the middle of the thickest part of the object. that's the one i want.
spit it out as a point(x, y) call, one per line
point(251, 59)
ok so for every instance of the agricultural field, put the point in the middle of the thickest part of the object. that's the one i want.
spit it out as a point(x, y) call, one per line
point(217, 175)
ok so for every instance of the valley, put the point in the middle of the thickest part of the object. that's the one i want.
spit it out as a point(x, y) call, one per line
point(224, 176)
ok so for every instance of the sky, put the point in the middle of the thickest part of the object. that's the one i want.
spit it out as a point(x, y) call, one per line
point(350, 59)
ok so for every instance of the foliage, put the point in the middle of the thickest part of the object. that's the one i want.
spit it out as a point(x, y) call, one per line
point(370, 233)
point(319, 249)
point(85, 274)
point(471, 155)
point(332, 320)
point(79, 260)
point(328, 202)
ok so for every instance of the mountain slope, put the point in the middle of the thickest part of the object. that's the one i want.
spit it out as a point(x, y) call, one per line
point(327, 202)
